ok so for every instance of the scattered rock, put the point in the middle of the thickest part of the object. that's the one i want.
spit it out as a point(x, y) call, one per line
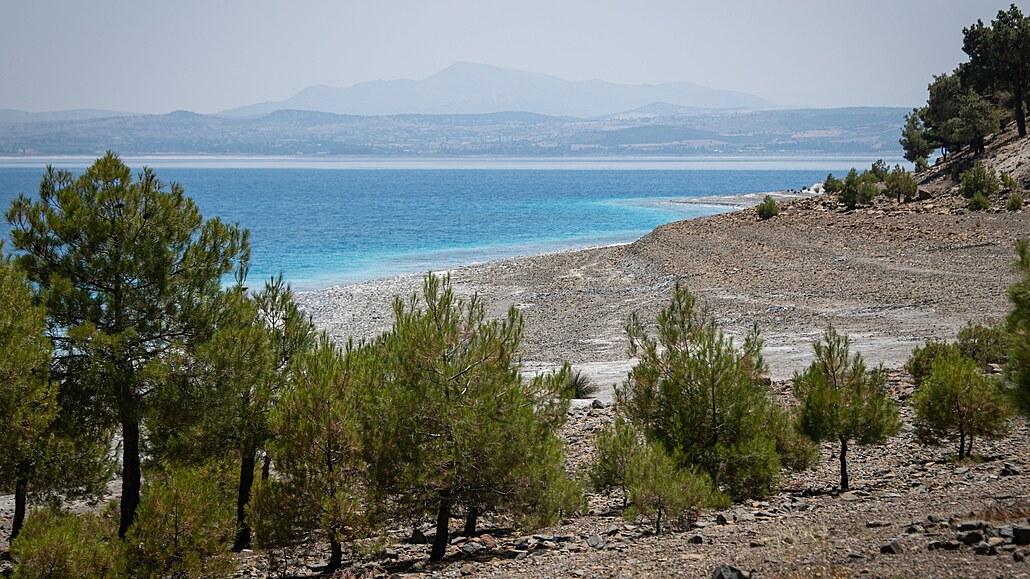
point(877, 524)
point(985, 549)
point(696, 539)
point(971, 537)
point(597, 404)
point(1021, 535)
point(729, 572)
point(892, 548)
point(1010, 470)
point(596, 541)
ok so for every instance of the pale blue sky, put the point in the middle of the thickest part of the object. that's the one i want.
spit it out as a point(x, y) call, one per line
point(208, 55)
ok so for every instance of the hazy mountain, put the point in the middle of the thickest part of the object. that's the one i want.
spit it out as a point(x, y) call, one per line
point(16, 116)
point(478, 88)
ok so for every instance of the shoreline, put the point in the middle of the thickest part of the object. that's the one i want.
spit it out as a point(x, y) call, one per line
point(891, 280)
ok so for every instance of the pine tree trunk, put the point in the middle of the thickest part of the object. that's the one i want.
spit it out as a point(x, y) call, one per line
point(961, 444)
point(443, 519)
point(21, 493)
point(131, 475)
point(844, 464)
point(969, 449)
point(266, 466)
point(470, 520)
point(247, 466)
point(335, 556)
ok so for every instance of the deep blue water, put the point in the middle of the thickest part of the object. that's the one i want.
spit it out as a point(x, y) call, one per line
point(335, 225)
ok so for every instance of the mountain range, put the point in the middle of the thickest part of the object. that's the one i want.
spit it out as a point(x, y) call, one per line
point(471, 109)
point(470, 88)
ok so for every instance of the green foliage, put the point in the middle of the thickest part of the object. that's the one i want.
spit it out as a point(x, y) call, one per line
point(956, 116)
point(1018, 326)
point(56, 544)
point(660, 490)
point(984, 344)
point(318, 445)
point(832, 184)
point(901, 185)
point(280, 521)
point(183, 527)
point(1007, 181)
point(980, 179)
point(842, 401)
point(880, 169)
point(857, 189)
point(580, 387)
point(614, 446)
point(956, 402)
point(998, 58)
point(462, 427)
point(768, 208)
point(913, 140)
point(128, 271)
point(921, 361)
point(702, 399)
point(1015, 202)
point(979, 202)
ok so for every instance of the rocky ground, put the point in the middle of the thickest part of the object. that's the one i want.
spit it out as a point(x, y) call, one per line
point(890, 275)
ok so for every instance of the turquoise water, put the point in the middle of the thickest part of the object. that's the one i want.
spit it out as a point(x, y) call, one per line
point(328, 225)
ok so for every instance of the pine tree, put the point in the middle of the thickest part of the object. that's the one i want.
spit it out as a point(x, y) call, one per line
point(1018, 328)
point(470, 433)
point(28, 398)
point(703, 399)
point(127, 270)
point(843, 401)
point(956, 402)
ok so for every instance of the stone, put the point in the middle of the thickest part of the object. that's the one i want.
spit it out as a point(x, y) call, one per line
point(985, 549)
point(971, 526)
point(468, 569)
point(458, 539)
point(961, 470)
point(721, 519)
point(915, 529)
point(728, 572)
point(877, 524)
point(1010, 470)
point(1021, 534)
point(756, 543)
point(596, 541)
point(892, 548)
point(418, 537)
point(971, 537)
point(488, 541)
point(597, 404)
point(472, 547)
point(696, 539)
point(996, 541)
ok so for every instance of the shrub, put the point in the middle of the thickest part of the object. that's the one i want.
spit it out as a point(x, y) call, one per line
point(984, 344)
point(1007, 181)
point(832, 184)
point(659, 489)
point(1015, 202)
point(956, 402)
point(700, 397)
point(857, 189)
point(842, 401)
point(768, 208)
point(579, 386)
point(979, 202)
point(280, 522)
point(979, 179)
point(880, 170)
point(614, 446)
point(901, 184)
point(184, 526)
point(58, 544)
point(921, 361)
point(1018, 327)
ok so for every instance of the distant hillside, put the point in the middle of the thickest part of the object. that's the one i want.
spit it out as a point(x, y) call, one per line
point(655, 130)
point(466, 88)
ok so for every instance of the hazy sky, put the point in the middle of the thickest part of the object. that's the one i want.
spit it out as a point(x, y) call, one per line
point(155, 56)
